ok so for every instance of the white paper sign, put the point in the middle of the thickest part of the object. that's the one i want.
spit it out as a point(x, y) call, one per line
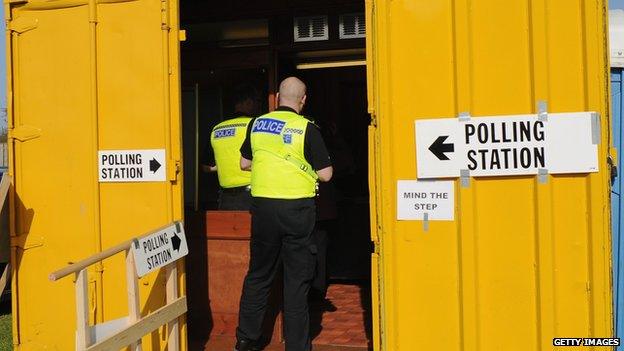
point(160, 248)
point(415, 198)
point(508, 145)
point(132, 165)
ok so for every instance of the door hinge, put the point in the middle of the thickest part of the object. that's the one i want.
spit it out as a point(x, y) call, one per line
point(373, 120)
point(23, 24)
point(376, 248)
point(24, 133)
point(612, 162)
point(173, 169)
point(26, 241)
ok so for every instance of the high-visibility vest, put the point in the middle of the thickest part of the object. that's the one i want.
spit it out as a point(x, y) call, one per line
point(279, 169)
point(226, 139)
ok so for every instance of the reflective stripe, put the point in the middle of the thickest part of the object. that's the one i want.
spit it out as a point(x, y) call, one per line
point(302, 166)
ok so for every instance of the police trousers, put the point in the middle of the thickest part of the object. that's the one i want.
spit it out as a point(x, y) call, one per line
point(236, 199)
point(281, 234)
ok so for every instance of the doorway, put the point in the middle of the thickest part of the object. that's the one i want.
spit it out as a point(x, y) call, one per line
point(337, 104)
point(207, 100)
point(258, 47)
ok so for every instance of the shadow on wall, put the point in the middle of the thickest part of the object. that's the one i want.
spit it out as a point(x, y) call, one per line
point(24, 217)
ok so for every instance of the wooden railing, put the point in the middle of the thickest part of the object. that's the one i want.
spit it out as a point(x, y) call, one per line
point(5, 184)
point(136, 326)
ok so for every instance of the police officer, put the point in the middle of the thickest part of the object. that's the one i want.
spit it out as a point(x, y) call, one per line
point(287, 156)
point(224, 156)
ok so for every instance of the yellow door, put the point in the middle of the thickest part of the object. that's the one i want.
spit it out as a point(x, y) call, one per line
point(524, 261)
point(86, 76)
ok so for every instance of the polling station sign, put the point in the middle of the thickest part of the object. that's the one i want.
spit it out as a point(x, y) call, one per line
point(132, 165)
point(160, 248)
point(508, 145)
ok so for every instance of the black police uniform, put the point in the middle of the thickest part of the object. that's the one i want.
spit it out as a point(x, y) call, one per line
point(282, 235)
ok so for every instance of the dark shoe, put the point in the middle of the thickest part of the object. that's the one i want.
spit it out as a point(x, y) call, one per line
point(328, 306)
point(246, 345)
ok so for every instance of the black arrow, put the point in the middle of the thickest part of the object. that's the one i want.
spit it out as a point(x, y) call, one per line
point(154, 165)
point(176, 241)
point(438, 147)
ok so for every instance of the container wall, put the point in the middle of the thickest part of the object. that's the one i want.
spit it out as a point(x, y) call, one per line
point(616, 203)
point(523, 262)
point(83, 78)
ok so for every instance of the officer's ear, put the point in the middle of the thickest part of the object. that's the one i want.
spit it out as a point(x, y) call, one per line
point(303, 100)
point(277, 99)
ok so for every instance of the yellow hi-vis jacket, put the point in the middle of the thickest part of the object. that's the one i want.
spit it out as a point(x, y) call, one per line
point(226, 140)
point(279, 169)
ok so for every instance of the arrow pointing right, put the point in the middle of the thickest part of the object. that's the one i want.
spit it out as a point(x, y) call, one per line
point(175, 242)
point(439, 148)
point(154, 165)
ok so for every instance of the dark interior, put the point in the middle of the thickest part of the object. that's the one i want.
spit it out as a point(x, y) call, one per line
point(254, 42)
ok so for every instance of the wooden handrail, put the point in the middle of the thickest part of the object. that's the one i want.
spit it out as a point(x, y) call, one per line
point(78, 266)
point(5, 184)
point(137, 326)
point(100, 256)
point(142, 327)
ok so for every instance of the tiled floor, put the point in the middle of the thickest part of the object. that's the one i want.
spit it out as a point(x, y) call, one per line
point(224, 343)
point(346, 327)
point(349, 324)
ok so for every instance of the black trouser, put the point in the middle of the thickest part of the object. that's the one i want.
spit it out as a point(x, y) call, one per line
point(321, 240)
point(235, 199)
point(280, 234)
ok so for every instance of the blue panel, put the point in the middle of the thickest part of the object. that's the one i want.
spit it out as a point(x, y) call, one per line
point(616, 204)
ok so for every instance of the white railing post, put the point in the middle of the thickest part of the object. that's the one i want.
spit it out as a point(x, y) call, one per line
point(83, 330)
point(173, 340)
point(134, 302)
point(87, 337)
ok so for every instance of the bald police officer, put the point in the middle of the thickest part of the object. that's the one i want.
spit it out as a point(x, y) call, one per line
point(224, 156)
point(287, 156)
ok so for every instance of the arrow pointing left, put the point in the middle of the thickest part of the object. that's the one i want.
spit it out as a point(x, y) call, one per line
point(439, 148)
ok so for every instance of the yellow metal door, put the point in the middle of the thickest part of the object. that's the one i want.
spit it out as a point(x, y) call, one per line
point(524, 261)
point(86, 76)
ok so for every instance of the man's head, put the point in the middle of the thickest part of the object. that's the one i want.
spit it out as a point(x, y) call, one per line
point(292, 93)
point(246, 100)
